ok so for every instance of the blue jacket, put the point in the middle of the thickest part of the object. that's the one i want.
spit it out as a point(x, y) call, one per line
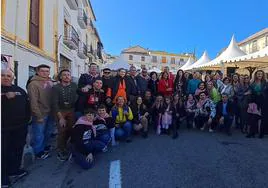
point(192, 86)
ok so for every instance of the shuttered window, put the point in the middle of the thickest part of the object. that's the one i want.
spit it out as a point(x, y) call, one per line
point(34, 22)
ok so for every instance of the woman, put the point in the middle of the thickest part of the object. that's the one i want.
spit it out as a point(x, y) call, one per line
point(200, 88)
point(122, 115)
point(119, 86)
point(157, 110)
point(153, 83)
point(205, 112)
point(190, 108)
point(245, 82)
point(208, 78)
point(165, 86)
point(227, 88)
point(257, 88)
point(177, 114)
point(238, 94)
point(180, 82)
point(213, 93)
point(141, 115)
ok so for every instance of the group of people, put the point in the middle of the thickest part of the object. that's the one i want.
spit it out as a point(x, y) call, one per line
point(103, 110)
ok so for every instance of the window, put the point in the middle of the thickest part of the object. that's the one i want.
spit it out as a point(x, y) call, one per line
point(142, 58)
point(130, 57)
point(181, 62)
point(164, 59)
point(65, 63)
point(34, 22)
point(254, 46)
point(154, 59)
point(172, 60)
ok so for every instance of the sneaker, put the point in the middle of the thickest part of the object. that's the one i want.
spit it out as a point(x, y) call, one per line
point(105, 149)
point(114, 143)
point(62, 156)
point(128, 140)
point(145, 134)
point(47, 148)
point(19, 174)
point(42, 155)
point(202, 128)
point(211, 130)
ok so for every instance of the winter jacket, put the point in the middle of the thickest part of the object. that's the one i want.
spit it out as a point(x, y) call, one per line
point(192, 86)
point(40, 94)
point(64, 97)
point(163, 85)
point(118, 114)
point(15, 111)
point(215, 95)
point(219, 109)
point(142, 84)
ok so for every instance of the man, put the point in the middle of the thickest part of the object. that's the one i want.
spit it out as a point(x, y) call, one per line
point(225, 114)
point(106, 79)
point(15, 117)
point(133, 87)
point(40, 94)
point(64, 98)
point(93, 98)
point(86, 80)
point(142, 81)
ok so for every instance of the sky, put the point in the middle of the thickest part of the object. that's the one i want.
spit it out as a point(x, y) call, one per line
point(177, 26)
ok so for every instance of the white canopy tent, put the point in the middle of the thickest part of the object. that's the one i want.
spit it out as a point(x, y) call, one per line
point(259, 58)
point(154, 69)
point(230, 52)
point(118, 64)
point(202, 60)
point(189, 63)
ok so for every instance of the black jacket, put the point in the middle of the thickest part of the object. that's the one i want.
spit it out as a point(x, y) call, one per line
point(138, 111)
point(81, 135)
point(219, 108)
point(133, 88)
point(153, 86)
point(16, 111)
point(109, 122)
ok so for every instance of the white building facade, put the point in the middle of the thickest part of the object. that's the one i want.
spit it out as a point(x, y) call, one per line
point(58, 33)
point(141, 57)
point(27, 36)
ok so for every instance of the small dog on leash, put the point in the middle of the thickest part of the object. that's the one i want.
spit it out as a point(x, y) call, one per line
point(28, 156)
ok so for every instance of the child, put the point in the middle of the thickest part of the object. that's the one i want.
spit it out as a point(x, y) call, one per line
point(84, 142)
point(103, 118)
point(190, 108)
point(157, 110)
point(254, 116)
point(167, 114)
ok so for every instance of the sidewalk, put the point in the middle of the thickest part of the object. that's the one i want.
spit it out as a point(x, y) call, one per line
point(45, 173)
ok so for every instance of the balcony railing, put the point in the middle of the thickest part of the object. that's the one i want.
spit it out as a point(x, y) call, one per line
point(73, 4)
point(82, 18)
point(82, 50)
point(71, 37)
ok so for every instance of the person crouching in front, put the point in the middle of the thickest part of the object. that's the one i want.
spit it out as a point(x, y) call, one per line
point(224, 114)
point(122, 115)
point(85, 142)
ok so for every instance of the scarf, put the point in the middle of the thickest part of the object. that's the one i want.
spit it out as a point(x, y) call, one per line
point(84, 121)
point(102, 118)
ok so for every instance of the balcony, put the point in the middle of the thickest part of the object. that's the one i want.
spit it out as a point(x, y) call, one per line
point(73, 4)
point(71, 37)
point(82, 50)
point(82, 18)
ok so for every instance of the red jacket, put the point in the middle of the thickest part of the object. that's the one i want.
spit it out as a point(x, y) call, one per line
point(163, 85)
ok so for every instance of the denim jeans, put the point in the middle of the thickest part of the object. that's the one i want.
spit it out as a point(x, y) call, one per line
point(105, 138)
point(124, 131)
point(41, 133)
point(92, 147)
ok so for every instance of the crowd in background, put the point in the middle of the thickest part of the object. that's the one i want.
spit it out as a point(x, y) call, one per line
point(103, 110)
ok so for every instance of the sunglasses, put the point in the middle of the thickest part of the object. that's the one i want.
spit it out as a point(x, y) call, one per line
point(106, 72)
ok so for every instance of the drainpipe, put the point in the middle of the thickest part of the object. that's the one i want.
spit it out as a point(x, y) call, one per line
point(16, 44)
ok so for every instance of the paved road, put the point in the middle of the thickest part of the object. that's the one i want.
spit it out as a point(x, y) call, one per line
point(195, 159)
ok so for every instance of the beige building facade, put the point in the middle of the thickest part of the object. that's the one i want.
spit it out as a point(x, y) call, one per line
point(142, 57)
